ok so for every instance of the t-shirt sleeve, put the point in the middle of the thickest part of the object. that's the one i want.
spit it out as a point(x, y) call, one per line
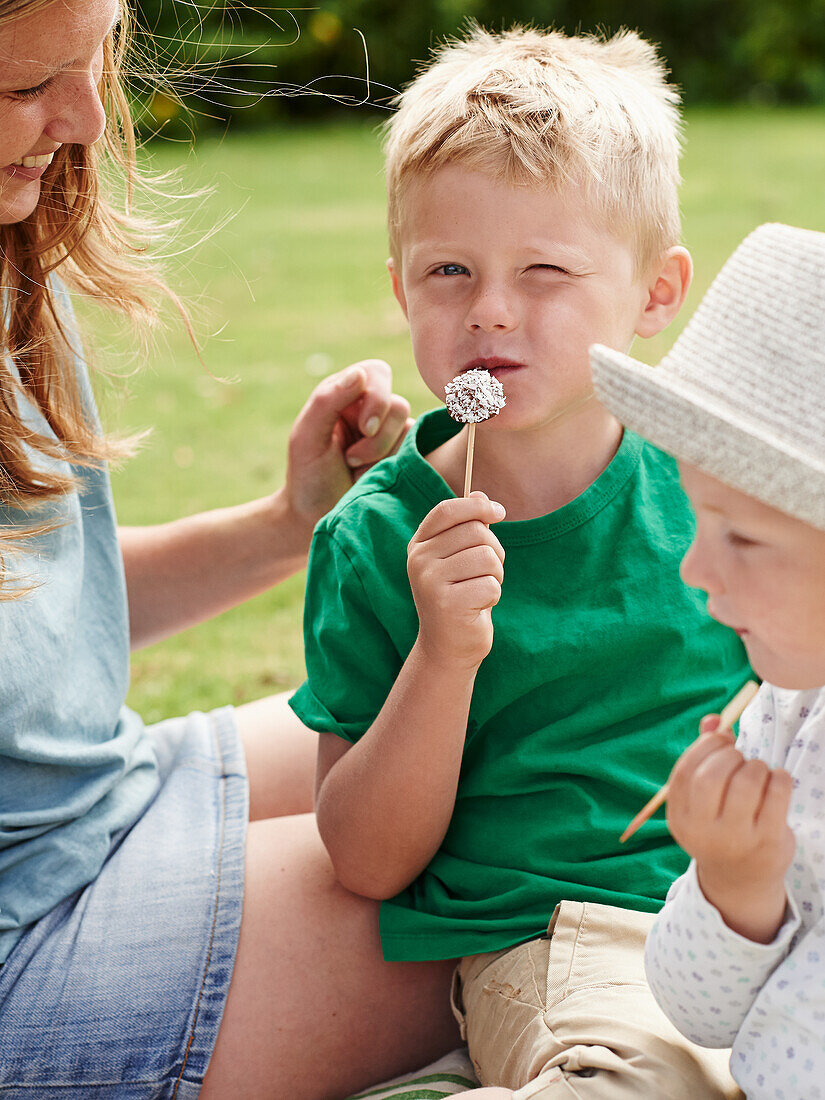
point(351, 660)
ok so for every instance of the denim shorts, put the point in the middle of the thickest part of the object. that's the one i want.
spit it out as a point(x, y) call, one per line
point(119, 991)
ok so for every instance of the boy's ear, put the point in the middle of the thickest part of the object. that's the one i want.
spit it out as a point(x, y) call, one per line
point(397, 288)
point(667, 288)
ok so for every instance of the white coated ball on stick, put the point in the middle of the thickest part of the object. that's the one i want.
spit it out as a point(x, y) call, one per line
point(474, 396)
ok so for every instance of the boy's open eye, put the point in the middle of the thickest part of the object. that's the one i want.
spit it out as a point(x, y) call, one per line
point(451, 269)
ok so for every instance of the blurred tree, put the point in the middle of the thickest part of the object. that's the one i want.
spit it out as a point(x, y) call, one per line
point(252, 63)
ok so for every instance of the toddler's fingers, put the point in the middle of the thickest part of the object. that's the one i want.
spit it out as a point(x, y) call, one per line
point(746, 793)
point(773, 811)
point(708, 788)
point(449, 513)
point(376, 395)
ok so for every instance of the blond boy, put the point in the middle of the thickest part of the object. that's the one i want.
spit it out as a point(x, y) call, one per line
point(476, 766)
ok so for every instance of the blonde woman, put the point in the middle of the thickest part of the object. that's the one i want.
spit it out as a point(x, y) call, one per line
point(161, 914)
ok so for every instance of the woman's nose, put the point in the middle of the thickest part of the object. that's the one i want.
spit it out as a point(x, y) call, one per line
point(80, 118)
point(492, 310)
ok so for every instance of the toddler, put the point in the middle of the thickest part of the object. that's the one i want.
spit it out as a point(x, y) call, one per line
point(737, 956)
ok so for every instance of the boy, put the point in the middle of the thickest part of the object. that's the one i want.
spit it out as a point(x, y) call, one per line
point(475, 779)
point(736, 955)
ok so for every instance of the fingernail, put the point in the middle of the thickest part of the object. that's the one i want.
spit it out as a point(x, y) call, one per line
point(348, 378)
point(499, 509)
point(372, 425)
point(353, 460)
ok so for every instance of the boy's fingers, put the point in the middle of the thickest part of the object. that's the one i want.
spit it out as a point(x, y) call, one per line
point(709, 723)
point(449, 513)
point(465, 535)
point(478, 593)
point(471, 563)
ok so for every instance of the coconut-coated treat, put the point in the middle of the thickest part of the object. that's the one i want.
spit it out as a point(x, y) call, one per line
point(474, 396)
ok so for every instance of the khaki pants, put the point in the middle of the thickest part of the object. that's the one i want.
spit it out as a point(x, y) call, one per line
point(571, 1015)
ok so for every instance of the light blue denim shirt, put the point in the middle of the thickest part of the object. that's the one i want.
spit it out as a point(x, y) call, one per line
point(75, 764)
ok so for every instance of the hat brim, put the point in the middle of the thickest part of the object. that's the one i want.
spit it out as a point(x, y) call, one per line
point(700, 429)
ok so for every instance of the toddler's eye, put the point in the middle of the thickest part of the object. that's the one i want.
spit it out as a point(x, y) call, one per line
point(739, 541)
point(451, 269)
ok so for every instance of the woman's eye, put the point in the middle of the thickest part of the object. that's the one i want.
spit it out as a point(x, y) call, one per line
point(451, 269)
point(31, 93)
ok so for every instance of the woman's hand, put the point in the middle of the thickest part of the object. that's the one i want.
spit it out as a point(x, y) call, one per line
point(351, 420)
point(456, 566)
point(730, 814)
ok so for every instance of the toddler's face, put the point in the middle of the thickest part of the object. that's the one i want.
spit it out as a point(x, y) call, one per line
point(764, 573)
point(515, 280)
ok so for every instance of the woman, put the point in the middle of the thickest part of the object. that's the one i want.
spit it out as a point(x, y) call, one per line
point(160, 914)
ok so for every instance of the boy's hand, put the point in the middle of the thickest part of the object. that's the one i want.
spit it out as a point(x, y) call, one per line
point(455, 566)
point(730, 814)
point(351, 420)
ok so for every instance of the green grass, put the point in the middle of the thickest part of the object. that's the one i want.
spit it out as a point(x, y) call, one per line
point(295, 285)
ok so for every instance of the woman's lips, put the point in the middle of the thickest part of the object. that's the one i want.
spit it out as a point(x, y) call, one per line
point(17, 171)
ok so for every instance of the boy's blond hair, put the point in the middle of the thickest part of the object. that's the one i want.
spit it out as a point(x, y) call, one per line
point(540, 108)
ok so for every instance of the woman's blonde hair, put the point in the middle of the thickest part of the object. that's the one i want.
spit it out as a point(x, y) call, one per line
point(97, 246)
point(541, 108)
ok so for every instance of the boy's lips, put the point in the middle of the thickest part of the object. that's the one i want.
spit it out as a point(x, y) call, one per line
point(495, 364)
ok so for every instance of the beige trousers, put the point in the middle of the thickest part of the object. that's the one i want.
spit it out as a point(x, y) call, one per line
point(571, 1015)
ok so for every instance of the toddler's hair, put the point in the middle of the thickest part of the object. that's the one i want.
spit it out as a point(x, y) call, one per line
point(541, 108)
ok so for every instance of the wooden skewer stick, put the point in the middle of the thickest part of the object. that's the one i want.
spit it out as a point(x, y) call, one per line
point(468, 469)
point(728, 716)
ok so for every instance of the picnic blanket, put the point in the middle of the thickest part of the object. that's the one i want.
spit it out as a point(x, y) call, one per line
point(449, 1076)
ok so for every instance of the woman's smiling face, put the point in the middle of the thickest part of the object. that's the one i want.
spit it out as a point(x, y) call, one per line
point(51, 62)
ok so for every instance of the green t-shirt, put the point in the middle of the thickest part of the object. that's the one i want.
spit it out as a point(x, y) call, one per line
point(602, 664)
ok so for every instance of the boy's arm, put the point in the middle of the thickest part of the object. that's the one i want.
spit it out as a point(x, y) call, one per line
point(384, 804)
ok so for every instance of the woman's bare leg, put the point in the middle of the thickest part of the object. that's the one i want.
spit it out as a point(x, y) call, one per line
point(314, 1012)
point(280, 758)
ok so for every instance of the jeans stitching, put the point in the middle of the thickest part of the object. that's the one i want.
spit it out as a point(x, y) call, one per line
point(215, 911)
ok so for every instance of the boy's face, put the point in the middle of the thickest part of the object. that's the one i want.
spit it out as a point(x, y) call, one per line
point(764, 573)
point(515, 280)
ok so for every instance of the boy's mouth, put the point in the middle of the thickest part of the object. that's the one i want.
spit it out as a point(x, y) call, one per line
point(496, 365)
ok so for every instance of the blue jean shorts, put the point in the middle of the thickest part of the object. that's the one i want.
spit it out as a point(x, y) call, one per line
point(119, 991)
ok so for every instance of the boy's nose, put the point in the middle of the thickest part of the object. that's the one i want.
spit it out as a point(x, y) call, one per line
point(491, 310)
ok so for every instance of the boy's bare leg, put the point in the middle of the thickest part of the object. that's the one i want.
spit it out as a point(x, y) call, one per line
point(314, 1012)
point(280, 758)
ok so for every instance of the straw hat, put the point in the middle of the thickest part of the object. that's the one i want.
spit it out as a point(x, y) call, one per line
point(741, 395)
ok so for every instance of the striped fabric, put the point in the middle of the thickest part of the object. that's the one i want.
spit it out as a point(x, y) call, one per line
point(451, 1075)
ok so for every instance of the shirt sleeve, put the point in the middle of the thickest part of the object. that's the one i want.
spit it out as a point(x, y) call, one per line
point(351, 660)
point(704, 975)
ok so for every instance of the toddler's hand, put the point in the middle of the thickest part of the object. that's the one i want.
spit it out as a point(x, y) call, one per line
point(455, 566)
point(730, 814)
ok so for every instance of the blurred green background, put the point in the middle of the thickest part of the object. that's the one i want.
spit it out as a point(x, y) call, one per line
point(281, 259)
